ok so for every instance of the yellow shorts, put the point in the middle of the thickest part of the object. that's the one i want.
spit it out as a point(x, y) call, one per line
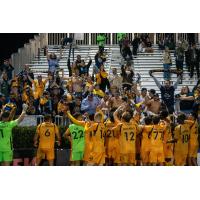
point(97, 158)
point(156, 157)
point(45, 153)
point(193, 151)
point(180, 159)
point(129, 158)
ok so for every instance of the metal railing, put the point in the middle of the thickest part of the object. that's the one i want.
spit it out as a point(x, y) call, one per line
point(90, 38)
point(30, 50)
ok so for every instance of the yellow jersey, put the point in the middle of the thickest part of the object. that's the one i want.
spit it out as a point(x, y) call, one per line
point(47, 132)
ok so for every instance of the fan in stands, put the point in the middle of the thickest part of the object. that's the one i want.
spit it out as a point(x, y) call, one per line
point(116, 111)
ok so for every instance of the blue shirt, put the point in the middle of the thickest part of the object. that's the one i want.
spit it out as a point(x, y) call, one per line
point(90, 106)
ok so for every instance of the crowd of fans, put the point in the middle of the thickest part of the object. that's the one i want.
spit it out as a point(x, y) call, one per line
point(84, 92)
point(113, 99)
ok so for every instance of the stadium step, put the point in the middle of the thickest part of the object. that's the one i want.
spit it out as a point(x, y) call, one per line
point(141, 64)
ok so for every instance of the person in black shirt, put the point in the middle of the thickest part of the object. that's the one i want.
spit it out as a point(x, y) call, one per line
point(135, 44)
point(8, 68)
point(194, 60)
point(167, 91)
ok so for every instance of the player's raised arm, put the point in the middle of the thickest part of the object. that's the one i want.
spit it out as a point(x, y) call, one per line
point(21, 117)
point(75, 121)
point(115, 115)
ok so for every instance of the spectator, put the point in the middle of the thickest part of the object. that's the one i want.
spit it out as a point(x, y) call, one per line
point(53, 62)
point(5, 84)
point(196, 106)
point(84, 68)
point(17, 101)
point(28, 98)
point(56, 94)
point(187, 58)
point(102, 79)
point(135, 44)
point(105, 101)
point(66, 40)
point(23, 77)
point(8, 68)
point(115, 80)
point(179, 55)
point(184, 100)
point(100, 59)
point(45, 103)
point(89, 105)
point(115, 101)
point(127, 75)
point(153, 105)
point(148, 46)
point(194, 60)
point(141, 47)
point(161, 44)
point(97, 91)
point(39, 87)
point(167, 63)
point(142, 96)
point(126, 51)
point(2, 100)
point(101, 40)
point(167, 91)
point(120, 38)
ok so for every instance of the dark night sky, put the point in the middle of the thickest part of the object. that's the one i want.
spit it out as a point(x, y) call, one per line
point(10, 42)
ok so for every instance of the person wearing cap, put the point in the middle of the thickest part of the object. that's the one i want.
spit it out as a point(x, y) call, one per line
point(89, 104)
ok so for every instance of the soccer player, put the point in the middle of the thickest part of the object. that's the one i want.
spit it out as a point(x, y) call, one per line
point(168, 147)
point(76, 134)
point(193, 142)
point(84, 124)
point(46, 133)
point(181, 139)
point(126, 132)
point(146, 131)
point(157, 148)
point(6, 126)
point(111, 141)
point(97, 141)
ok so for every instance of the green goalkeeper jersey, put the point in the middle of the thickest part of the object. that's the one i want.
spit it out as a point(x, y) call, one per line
point(78, 137)
point(6, 135)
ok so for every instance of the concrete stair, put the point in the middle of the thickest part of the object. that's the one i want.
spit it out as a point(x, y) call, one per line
point(142, 64)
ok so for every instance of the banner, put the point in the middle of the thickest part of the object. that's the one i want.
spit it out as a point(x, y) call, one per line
point(28, 157)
